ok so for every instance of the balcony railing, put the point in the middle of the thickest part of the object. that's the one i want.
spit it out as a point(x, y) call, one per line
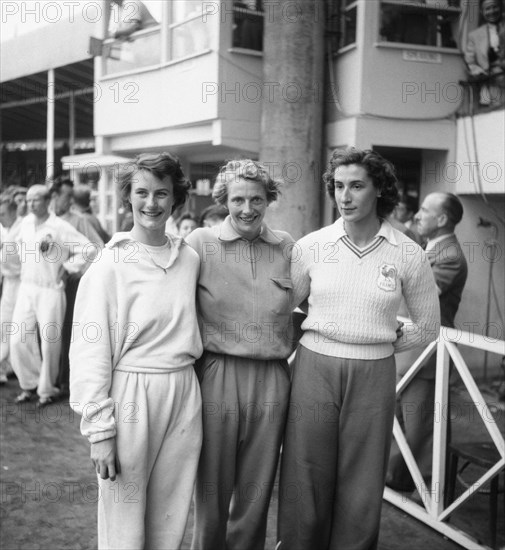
point(435, 511)
point(482, 94)
point(142, 49)
point(155, 45)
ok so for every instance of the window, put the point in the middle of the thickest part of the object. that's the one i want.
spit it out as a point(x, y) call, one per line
point(189, 32)
point(341, 23)
point(248, 24)
point(139, 44)
point(422, 22)
point(189, 29)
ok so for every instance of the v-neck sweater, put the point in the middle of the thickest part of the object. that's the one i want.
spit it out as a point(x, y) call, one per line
point(354, 293)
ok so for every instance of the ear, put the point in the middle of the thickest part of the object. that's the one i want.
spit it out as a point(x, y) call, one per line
point(442, 220)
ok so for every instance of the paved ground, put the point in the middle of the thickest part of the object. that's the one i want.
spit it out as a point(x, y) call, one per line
point(49, 494)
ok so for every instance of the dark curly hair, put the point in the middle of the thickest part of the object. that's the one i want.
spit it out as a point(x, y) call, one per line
point(380, 170)
point(246, 169)
point(160, 165)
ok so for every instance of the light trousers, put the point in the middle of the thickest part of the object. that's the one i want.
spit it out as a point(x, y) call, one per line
point(10, 287)
point(335, 452)
point(38, 310)
point(159, 436)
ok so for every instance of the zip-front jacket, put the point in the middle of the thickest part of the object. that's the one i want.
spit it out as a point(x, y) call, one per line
point(245, 295)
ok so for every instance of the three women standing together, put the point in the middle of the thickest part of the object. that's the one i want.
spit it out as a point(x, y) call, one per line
point(136, 387)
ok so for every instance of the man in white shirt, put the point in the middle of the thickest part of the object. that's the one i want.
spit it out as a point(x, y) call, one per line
point(484, 54)
point(49, 247)
point(129, 16)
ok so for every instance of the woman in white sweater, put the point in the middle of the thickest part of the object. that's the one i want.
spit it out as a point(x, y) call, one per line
point(354, 274)
point(136, 338)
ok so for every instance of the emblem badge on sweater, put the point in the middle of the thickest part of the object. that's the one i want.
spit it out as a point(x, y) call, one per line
point(387, 277)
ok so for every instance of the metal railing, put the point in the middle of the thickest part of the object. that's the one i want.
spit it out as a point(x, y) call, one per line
point(482, 94)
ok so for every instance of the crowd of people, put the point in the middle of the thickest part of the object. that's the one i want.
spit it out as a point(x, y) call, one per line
point(184, 385)
point(71, 204)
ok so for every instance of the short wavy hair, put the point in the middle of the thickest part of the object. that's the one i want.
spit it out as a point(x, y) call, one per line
point(247, 169)
point(159, 165)
point(380, 170)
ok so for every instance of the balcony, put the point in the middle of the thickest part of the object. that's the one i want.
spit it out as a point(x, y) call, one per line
point(482, 94)
point(481, 137)
point(181, 84)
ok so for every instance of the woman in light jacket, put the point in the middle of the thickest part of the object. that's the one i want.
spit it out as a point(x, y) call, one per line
point(136, 339)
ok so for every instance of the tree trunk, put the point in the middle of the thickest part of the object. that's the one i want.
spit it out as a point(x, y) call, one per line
point(291, 123)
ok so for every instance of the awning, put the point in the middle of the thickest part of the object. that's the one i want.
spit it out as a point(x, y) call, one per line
point(80, 162)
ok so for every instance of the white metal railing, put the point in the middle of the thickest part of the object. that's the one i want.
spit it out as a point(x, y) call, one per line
point(433, 511)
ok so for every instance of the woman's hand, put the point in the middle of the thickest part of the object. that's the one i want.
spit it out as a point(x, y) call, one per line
point(104, 457)
point(399, 330)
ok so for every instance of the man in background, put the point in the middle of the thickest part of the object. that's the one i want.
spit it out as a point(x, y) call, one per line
point(129, 16)
point(62, 198)
point(404, 213)
point(49, 247)
point(82, 205)
point(10, 269)
point(485, 53)
point(436, 220)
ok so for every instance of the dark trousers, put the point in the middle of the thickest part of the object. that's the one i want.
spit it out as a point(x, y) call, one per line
point(66, 332)
point(244, 412)
point(335, 452)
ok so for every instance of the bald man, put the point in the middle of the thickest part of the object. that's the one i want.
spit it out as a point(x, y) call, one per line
point(438, 216)
point(48, 247)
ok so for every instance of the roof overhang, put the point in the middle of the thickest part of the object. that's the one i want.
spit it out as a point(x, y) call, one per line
point(81, 162)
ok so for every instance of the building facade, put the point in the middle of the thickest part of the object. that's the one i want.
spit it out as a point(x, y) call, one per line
point(192, 82)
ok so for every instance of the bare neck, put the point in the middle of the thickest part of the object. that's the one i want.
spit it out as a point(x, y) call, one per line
point(39, 220)
point(362, 234)
point(151, 238)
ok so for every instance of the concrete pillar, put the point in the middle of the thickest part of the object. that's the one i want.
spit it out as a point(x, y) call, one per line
point(291, 125)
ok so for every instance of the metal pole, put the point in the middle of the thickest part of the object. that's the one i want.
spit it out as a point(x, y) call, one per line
point(71, 124)
point(50, 125)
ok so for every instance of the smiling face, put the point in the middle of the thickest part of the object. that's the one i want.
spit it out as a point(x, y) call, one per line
point(247, 204)
point(152, 200)
point(491, 11)
point(355, 194)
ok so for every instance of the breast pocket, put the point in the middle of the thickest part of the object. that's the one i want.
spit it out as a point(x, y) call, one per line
point(281, 295)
